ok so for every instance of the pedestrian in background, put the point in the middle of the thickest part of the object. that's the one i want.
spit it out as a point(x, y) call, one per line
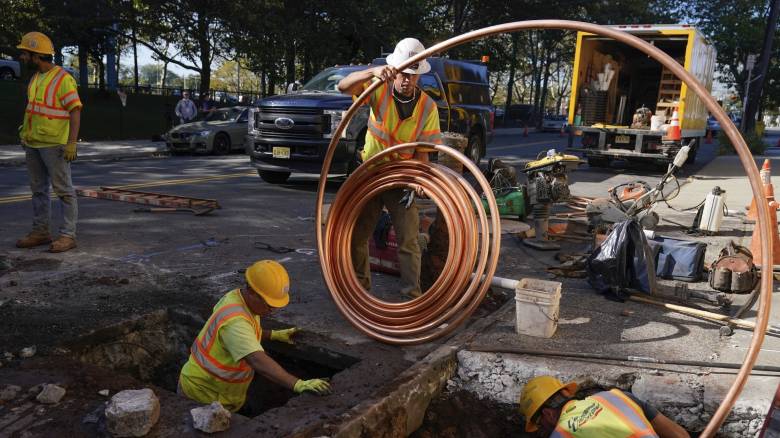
point(185, 109)
point(49, 134)
point(207, 104)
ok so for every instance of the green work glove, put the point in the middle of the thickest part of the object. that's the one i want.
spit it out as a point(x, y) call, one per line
point(70, 151)
point(285, 335)
point(317, 386)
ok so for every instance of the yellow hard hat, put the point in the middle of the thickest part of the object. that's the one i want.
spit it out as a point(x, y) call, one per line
point(269, 279)
point(36, 42)
point(537, 391)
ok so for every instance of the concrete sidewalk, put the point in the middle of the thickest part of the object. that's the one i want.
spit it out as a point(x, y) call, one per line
point(13, 155)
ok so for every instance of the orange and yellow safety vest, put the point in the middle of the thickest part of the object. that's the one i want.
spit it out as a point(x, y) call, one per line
point(607, 414)
point(51, 96)
point(386, 129)
point(211, 374)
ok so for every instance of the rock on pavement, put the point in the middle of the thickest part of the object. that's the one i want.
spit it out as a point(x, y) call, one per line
point(51, 394)
point(211, 418)
point(9, 392)
point(132, 413)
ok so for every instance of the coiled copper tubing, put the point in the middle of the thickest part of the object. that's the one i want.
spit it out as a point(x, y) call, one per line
point(454, 296)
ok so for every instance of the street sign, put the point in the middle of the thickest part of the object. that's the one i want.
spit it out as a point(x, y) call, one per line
point(751, 62)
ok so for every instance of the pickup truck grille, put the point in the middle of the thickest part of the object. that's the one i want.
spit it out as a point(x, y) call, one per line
point(307, 123)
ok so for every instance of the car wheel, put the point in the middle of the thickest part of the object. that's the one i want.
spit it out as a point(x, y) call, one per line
point(6, 74)
point(221, 144)
point(474, 150)
point(273, 177)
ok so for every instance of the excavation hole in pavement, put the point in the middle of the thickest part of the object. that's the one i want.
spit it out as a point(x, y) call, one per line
point(154, 347)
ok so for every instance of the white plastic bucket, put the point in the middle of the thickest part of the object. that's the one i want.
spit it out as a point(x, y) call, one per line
point(656, 122)
point(537, 305)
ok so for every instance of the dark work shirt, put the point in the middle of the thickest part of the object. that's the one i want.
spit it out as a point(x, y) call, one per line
point(405, 110)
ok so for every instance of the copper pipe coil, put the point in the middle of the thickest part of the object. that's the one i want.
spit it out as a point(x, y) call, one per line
point(746, 158)
point(473, 248)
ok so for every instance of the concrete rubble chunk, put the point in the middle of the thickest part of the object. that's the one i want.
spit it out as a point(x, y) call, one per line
point(9, 392)
point(210, 419)
point(665, 390)
point(28, 352)
point(132, 412)
point(50, 394)
point(103, 392)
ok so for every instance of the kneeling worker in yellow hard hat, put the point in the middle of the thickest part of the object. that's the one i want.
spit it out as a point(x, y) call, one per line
point(228, 350)
point(550, 410)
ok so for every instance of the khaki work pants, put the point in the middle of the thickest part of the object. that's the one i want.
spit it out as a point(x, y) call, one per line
point(406, 223)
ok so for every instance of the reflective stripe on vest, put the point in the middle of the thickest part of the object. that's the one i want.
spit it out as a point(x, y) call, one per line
point(43, 110)
point(385, 124)
point(52, 87)
point(201, 348)
point(613, 415)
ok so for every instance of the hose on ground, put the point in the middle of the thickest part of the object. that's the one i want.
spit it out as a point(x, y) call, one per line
point(325, 242)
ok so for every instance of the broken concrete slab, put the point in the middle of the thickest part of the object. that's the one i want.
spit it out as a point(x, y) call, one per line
point(754, 401)
point(210, 419)
point(9, 392)
point(51, 394)
point(132, 413)
point(667, 389)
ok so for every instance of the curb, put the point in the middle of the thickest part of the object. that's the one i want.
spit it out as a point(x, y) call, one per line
point(17, 162)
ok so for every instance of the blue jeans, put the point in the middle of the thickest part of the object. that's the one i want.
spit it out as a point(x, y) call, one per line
point(47, 167)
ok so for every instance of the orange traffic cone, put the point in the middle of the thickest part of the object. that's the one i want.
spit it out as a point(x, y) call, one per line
point(709, 137)
point(766, 178)
point(525, 130)
point(674, 133)
point(757, 239)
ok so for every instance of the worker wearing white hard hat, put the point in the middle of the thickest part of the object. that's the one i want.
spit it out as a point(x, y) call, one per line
point(400, 113)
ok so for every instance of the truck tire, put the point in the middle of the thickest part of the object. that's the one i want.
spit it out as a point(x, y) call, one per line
point(6, 74)
point(598, 162)
point(474, 149)
point(692, 153)
point(273, 177)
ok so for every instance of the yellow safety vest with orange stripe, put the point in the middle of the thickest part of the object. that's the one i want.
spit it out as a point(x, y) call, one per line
point(51, 96)
point(386, 129)
point(211, 374)
point(608, 414)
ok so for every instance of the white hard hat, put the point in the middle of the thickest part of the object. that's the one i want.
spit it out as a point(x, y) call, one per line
point(405, 49)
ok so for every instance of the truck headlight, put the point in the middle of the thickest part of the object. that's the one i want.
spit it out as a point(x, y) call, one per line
point(252, 120)
point(335, 119)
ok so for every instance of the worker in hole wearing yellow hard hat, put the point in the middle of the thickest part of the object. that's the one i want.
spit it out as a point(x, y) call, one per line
point(550, 410)
point(228, 350)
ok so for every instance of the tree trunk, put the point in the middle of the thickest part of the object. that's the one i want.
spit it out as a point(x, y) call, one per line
point(754, 94)
point(164, 78)
point(135, 59)
point(289, 59)
point(510, 84)
point(101, 72)
point(205, 54)
point(83, 66)
point(543, 98)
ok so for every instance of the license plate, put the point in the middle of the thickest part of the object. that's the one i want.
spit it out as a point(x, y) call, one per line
point(625, 139)
point(280, 152)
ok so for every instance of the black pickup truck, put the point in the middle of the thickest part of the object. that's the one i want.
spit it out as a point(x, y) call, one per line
point(291, 132)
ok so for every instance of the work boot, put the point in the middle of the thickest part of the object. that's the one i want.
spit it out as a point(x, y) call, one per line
point(62, 244)
point(33, 239)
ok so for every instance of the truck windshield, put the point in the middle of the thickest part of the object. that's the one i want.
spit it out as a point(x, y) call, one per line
point(327, 79)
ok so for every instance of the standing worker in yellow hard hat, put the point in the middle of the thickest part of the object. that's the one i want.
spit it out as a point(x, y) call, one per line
point(550, 410)
point(400, 113)
point(49, 134)
point(228, 350)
